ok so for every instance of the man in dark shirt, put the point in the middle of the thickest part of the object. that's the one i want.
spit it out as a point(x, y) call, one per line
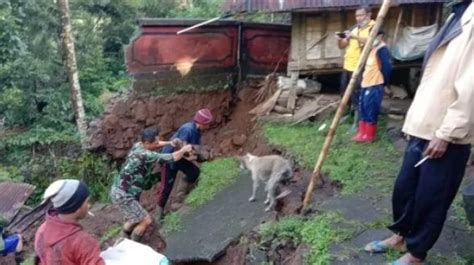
point(188, 133)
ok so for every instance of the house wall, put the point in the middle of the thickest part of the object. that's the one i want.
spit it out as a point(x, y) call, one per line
point(326, 57)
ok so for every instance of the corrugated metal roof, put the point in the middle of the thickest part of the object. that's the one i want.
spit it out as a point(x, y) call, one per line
point(292, 5)
point(13, 196)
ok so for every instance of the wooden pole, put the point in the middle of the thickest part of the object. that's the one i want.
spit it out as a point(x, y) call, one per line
point(397, 27)
point(345, 99)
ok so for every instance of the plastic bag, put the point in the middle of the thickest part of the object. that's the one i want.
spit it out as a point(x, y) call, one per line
point(127, 252)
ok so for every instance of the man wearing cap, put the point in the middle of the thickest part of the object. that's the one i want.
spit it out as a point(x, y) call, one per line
point(128, 184)
point(61, 239)
point(189, 133)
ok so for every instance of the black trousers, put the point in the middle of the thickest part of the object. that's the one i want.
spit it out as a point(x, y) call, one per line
point(169, 172)
point(423, 195)
point(345, 79)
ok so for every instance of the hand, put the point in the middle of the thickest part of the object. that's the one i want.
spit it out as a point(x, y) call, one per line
point(436, 148)
point(191, 157)
point(349, 34)
point(187, 148)
point(176, 142)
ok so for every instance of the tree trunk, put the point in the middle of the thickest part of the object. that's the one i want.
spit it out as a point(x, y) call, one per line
point(71, 67)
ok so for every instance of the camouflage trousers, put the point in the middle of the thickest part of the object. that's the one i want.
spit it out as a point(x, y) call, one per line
point(130, 208)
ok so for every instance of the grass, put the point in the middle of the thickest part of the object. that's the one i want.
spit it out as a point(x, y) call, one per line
point(355, 166)
point(317, 232)
point(172, 222)
point(460, 213)
point(215, 176)
point(111, 233)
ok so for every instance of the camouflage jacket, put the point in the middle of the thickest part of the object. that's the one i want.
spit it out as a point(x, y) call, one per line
point(137, 167)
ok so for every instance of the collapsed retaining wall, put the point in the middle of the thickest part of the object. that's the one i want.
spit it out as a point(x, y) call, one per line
point(121, 124)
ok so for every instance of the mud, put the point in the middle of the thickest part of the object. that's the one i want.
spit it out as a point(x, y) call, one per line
point(231, 134)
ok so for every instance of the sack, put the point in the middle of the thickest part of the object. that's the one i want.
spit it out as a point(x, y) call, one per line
point(127, 252)
point(413, 42)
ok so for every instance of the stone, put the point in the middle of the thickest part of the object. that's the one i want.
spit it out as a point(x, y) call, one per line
point(239, 140)
point(256, 256)
point(95, 136)
point(297, 258)
point(234, 255)
point(121, 108)
point(139, 111)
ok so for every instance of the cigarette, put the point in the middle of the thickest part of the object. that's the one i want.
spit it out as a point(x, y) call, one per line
point(422, 161)
point(91, 214)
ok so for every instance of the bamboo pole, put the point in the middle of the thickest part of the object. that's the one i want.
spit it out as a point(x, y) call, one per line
point(397, 27)
point(345, 99)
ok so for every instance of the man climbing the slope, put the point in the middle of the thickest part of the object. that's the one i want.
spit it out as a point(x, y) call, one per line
point(188, 133)
point(128, 184)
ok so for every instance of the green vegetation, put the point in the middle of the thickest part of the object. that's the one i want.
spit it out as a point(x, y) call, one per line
point(317, 232)
point(215, 176)
point(38, 137)
point(172, 222)
point(349, 163)
point(460, 213)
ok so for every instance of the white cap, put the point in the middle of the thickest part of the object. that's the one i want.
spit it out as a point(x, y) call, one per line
point(61, 191)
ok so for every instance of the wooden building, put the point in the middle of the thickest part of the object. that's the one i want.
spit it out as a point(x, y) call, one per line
point(314, 49)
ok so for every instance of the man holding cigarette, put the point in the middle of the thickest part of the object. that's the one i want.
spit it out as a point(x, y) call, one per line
point(440, 126)
point(61, 239)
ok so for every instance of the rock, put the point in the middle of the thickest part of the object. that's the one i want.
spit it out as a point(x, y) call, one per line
point(111, 121)
point(398, 92)
point(239, 140)
point(234, 255)
point(256, 256)
point(291, 204)
point(139, 111)
point(225, 146)
point(297, 258)
point(121, 108)
point(95, 136)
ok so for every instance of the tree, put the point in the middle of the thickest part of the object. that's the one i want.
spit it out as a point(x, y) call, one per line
point(71, 68)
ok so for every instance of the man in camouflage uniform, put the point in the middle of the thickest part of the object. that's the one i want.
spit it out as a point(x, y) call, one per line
point(128, 184)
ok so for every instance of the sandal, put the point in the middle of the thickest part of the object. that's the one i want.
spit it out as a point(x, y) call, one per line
point(404, 263)
point(377, 247)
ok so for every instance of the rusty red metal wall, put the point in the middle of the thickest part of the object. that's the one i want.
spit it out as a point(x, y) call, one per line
point(158, 52)
point(265, 48)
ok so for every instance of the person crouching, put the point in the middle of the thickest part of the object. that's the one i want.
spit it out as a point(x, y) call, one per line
point(128, 184)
